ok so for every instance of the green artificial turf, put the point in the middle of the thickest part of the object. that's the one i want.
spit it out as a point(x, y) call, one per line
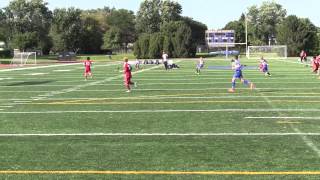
point(215, 126)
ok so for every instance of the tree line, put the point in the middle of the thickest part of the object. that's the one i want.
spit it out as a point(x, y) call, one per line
point(158, 25)
point(269, 23)
point(30, 25)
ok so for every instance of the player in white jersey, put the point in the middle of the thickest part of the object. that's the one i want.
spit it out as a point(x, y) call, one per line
point(200, 65)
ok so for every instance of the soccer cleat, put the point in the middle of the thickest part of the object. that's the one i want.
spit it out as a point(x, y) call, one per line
point(231, 90)
point(128, 91)
point(252, 86)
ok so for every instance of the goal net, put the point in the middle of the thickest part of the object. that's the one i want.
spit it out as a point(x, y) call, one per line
point(268, 52)
point(22, 58)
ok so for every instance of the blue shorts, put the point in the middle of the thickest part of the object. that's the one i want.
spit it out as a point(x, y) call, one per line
point(265, 69)
point(199, 66)
point(237, 74)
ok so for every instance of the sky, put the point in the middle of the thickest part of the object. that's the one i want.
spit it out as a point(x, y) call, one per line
point(214, 13)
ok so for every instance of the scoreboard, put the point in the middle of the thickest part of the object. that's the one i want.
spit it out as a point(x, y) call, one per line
point(220, 38)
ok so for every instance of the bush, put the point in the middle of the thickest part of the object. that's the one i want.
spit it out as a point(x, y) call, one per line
point(5, 53)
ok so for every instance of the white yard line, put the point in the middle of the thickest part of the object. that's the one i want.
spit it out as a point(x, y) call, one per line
point(163, 111)
point(38, 67)
point(279, 117)
point(307, 141)
point(161, 134)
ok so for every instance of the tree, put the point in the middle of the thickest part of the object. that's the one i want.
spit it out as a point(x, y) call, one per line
point(182, 40)
point(144, 41)
point(148, 17)
point(124, 21)
point(25, 40)
point(198, 30)
point(67, 30)
point(297, 34)
point(29, 17)
point(170, 11)
point(112, 39)
point(3, 26)
point(99, 15)
point(264, 20)
point(239, 28)
point(155, 45)
point(92, 36)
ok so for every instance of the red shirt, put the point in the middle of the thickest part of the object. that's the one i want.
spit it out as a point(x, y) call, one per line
point(303, 54)
point(126, 69)
point(87, 63)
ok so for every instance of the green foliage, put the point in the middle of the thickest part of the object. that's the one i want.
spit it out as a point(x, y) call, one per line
point(148, 17)
point(144, 41)
point(182, 42)
point(239, 28)
point(137, 49)
point(25, 17)
point(67, 30)
point(5, 53)
point(92, 36)
point(298, 34)
point(112, 39)
point(25, 40)
point(197, 34)
point(155, 45)
point(168, 46)
point(264, 20)
point(99, 15)
point(170, 11)
point(122, 31)
point(4, 28)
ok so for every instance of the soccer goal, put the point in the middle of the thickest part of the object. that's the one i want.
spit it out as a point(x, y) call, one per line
point(268, 52)
point(22, 58)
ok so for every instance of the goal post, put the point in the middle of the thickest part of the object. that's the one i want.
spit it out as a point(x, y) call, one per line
point(268, 52)
point(23, 58)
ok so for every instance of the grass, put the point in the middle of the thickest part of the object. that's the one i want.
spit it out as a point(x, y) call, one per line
point(61, 102)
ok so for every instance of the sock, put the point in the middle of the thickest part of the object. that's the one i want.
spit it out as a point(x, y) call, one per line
point(233, 84)
point(246, 82)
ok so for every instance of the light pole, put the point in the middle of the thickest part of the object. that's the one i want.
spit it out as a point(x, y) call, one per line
point(246, 24)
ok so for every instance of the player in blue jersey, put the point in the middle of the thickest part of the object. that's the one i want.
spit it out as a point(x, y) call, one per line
point(237, 67)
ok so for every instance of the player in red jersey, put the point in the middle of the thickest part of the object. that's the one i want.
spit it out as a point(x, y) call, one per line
point(87, 71)
point(314, 64)
point(127, 75)
point(303, 56)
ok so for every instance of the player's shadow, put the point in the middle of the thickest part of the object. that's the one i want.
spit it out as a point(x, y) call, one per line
point(30, 83)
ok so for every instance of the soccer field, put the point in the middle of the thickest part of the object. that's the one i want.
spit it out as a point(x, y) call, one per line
point(174, 125)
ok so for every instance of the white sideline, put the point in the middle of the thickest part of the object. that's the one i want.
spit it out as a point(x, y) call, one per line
point(162, 134)
point(164, 111)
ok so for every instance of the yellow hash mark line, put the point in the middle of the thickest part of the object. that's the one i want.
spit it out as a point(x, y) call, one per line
point(170, 172)
point(288, 122)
